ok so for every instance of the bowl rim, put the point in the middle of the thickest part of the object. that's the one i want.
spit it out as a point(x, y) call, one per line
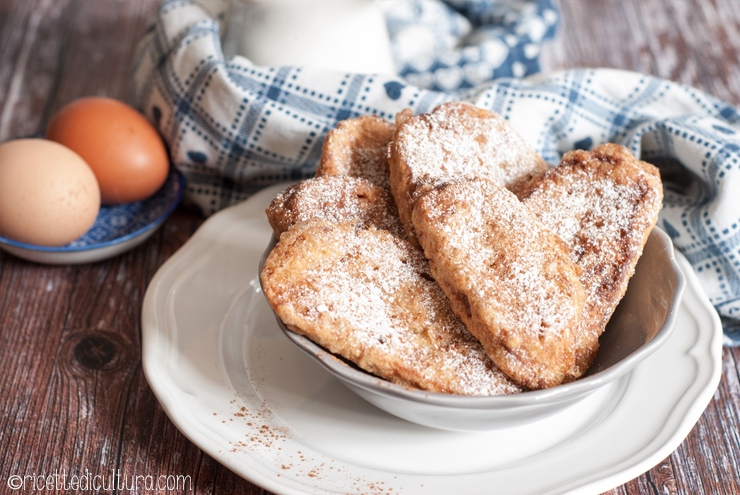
point(359, 378)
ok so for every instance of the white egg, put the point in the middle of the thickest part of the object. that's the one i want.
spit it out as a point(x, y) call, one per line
point(48, 194)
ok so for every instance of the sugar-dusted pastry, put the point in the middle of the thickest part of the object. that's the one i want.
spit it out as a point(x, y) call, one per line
point(508, 277)
point(357, 147)
point(455, 141)
point(369, 297)
point(336, 198)
point(603, 204)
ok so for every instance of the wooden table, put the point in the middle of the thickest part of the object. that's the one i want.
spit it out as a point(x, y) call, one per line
point(73, 395)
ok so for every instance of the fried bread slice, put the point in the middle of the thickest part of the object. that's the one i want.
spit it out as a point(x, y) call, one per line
point(509, 278)
point(357, 147)
point(336, 198)
point(368, 296)
point(455, 141)
point(603, 204)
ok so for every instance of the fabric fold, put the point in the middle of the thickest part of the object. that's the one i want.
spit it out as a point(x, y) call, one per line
point(233, 128)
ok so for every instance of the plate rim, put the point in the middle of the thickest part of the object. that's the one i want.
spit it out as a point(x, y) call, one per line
point(190, 426)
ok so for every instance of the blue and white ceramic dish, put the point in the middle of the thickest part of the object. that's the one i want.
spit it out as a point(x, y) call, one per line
point(116, 229)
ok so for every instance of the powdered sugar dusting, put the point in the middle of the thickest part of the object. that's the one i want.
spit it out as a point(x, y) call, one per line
point(370, 297)
point(514, 275)
point(477, 243)
point(603, 204)
point(458, 141)
point(595, 215)
point(357, 148)
point(368, 162)
point(336, 199)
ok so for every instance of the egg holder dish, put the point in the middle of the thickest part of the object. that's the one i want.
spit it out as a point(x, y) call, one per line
point(642, 323)
point(117, 228)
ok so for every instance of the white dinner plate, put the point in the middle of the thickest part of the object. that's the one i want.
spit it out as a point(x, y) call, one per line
point(231, 381)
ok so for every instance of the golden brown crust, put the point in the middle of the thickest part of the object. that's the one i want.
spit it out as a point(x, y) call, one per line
point(535, 281)
point(357, 147)
point(603, 204)
point(507, 276)
point(334, 198)
point(455, 141)
point(368, 296)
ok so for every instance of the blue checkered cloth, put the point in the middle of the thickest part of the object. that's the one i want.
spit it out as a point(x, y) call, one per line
point(234, 128)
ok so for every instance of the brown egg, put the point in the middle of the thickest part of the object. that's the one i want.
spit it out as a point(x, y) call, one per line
point(48, 194)
point(124, 150)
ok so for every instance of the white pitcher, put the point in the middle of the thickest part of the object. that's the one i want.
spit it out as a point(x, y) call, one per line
point(343, 35)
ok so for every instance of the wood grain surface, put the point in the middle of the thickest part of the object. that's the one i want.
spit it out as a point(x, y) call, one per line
point(73, 397)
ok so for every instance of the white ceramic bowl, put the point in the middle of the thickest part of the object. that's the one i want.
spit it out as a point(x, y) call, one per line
point(642, 323)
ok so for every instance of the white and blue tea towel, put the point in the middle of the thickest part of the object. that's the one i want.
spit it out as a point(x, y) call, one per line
point(234, 128)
